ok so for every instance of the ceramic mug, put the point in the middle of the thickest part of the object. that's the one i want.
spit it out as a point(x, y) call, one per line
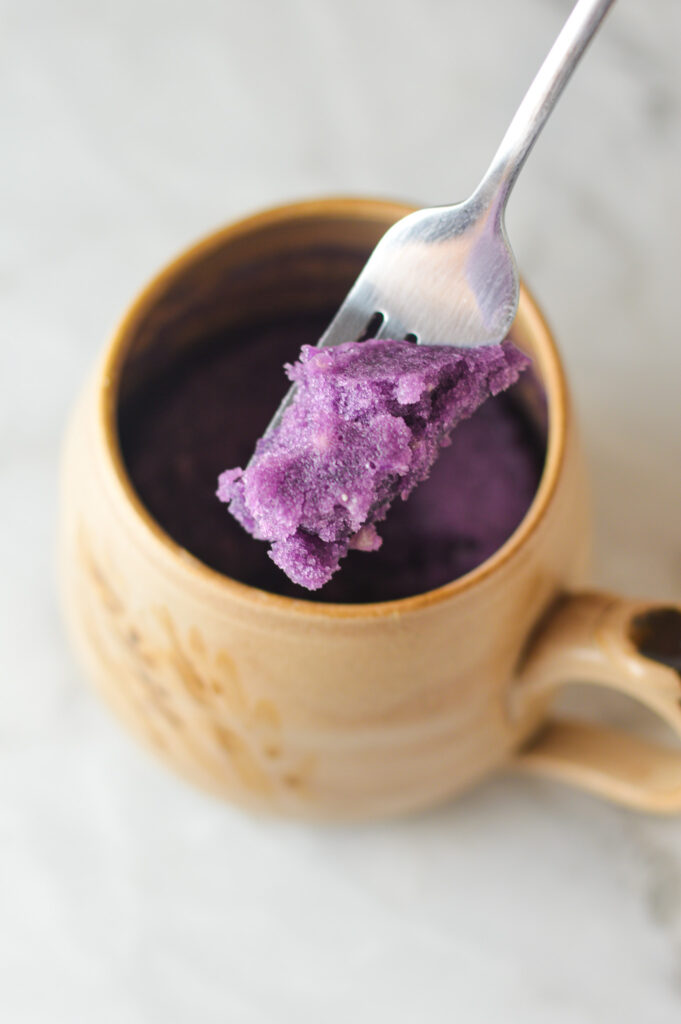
point(347, 711)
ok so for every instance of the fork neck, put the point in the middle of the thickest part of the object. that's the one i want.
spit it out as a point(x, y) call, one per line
point(537, 104)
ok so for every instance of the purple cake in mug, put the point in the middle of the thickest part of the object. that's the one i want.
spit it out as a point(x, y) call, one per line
point(205, 409)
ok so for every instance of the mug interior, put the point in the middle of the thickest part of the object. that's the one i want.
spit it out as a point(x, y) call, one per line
point(294, 261)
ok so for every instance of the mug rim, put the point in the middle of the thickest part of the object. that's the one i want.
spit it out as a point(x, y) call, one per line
point(177, 557)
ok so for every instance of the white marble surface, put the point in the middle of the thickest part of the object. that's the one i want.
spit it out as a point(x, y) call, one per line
point(130, 128)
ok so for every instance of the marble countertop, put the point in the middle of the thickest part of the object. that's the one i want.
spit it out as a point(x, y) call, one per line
point(130, 129)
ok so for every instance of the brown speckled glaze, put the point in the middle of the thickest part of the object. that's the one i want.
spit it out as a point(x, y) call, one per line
point(341, 711)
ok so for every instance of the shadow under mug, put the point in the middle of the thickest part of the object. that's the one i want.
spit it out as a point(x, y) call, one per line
point(347, 711)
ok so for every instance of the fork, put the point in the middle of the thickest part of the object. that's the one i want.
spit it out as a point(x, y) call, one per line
point(446, 275)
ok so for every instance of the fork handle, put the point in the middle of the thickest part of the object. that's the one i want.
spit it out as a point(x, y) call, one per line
point(539, 101)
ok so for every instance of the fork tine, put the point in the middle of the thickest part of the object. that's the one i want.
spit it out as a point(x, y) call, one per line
point(390, 328)
point(348, 324)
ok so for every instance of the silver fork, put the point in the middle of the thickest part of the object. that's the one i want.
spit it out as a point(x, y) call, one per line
point(447, 275)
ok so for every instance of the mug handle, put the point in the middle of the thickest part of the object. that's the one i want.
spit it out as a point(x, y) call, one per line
point(633, 647)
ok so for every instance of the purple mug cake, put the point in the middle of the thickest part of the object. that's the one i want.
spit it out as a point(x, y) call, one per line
point(365, 427)
point(399, 406)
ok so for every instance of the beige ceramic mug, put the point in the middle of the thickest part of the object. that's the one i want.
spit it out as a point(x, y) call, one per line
point(347, 711)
